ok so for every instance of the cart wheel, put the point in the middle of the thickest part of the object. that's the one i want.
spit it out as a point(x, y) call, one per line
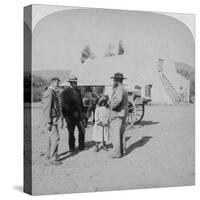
point(139, 113)
point(131, 118)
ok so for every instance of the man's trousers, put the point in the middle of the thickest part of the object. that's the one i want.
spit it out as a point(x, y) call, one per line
point(71, 124)
point(117, 129)
point(52, 142)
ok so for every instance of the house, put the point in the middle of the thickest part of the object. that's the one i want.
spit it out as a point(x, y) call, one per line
point(154, 78)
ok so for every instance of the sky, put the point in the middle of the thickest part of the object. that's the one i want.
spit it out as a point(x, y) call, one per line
point(59, 38)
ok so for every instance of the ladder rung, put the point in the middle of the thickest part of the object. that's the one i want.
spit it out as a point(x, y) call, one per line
point(169, 87)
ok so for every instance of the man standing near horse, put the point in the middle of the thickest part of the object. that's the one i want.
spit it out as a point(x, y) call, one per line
point(118, 112)
point(72, 111)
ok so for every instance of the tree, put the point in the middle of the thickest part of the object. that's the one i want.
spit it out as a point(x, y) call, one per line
point(109, 50)
point(86, 53)
point(121, 49)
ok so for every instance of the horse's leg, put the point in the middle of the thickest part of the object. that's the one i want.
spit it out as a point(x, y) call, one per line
point(88, 113)
point(85, 119)
point(93, 111)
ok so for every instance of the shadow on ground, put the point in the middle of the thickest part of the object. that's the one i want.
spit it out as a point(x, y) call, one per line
point(137, 144)
point(148, 123)
point(142, 124)
point(67, 154)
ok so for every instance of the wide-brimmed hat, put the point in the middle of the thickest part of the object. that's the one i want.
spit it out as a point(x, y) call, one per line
point(72, 78)
point(118, 75)
point(65, 84)
point(102, 99)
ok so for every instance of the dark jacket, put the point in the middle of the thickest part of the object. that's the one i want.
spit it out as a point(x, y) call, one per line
point(72, 103)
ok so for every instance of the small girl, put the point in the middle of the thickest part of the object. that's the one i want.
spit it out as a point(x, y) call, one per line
point(100, 131)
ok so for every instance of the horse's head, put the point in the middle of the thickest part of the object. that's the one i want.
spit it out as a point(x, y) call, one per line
point(86, 101)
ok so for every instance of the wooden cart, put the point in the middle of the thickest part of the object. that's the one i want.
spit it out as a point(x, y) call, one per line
point(136, 106)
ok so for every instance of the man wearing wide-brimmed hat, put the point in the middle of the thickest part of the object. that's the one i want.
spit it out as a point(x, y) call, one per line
point(72, 111)
point(118, 112)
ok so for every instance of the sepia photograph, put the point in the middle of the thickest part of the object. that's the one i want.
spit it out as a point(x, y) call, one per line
point(109, 99)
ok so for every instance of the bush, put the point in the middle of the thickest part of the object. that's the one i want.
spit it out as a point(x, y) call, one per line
point(37, 94)
point(38, 81)
point(38, 87)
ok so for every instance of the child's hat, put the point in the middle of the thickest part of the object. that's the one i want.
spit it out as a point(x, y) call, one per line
point(102, 99)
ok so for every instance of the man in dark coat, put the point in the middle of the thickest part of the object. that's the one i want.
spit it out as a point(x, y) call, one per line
point(72, 111)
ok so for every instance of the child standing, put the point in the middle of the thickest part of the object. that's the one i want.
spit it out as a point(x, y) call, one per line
point(100, 131)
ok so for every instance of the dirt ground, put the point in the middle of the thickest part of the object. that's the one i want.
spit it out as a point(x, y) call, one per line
point(160, 153)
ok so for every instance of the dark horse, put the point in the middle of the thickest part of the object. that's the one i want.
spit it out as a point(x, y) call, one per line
point(90, 100)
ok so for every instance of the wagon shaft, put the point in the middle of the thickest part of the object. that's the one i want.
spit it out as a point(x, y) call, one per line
point(141, 101)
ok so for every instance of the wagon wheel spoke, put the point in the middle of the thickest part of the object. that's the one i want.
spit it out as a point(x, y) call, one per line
point(139, 113)
point(132, 118)
point(131, 115)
